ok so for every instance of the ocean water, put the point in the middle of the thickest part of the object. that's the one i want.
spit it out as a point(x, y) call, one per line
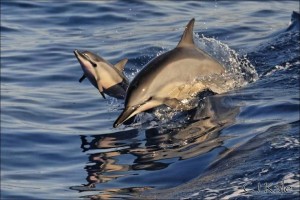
point(57, 139)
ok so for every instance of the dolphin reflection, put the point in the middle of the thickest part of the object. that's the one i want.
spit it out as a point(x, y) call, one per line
point(126, 156)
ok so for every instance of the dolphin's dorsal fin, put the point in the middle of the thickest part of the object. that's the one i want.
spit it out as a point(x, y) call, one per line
point(121, 64)
point(187, 36)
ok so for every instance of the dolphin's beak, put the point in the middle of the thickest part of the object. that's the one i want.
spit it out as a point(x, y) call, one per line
point(131, 111)
point(78, 54)
point(124, 116)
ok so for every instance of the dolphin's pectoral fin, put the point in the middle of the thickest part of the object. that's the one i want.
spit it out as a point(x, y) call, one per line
point(82, 78)
point(102, 93)
point(121, 64)
point(175, 104)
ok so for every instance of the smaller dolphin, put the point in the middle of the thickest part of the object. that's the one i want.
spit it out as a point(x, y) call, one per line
point(104, 76)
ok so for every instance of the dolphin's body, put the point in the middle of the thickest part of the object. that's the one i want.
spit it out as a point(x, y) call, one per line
point(104, 76)
point(170, 78)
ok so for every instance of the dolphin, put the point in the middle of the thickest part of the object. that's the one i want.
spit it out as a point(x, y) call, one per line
point(169, 79)
point(104, 76)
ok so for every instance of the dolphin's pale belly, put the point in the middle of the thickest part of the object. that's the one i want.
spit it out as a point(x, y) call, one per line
point(90, 74)
point(111, 78)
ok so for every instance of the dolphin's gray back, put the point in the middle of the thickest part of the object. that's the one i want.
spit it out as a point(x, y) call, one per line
point(178, 66)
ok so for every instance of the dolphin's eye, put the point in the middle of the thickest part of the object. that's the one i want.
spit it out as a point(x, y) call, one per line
point(93, 64)
point(88, 58)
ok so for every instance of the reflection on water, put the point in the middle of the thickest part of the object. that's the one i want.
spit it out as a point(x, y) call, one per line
point(134, 155)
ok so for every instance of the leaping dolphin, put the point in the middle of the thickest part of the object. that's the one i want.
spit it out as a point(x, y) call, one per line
point(170, 78)
point(104, 76)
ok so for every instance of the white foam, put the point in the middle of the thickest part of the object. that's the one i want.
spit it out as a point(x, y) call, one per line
point(284, 67)
point(238, 192)
point(238, 68)
point(286, 142)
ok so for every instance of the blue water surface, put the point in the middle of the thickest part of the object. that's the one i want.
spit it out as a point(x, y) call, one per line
point(57, 140)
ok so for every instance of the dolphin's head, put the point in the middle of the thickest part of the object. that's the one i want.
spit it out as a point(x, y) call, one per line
point(137, 100)
point(87, 62)
point(93, 57)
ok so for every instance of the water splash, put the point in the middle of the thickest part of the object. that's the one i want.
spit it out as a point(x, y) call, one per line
point(238, 68)
point(114, 104)
point(283, 67)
